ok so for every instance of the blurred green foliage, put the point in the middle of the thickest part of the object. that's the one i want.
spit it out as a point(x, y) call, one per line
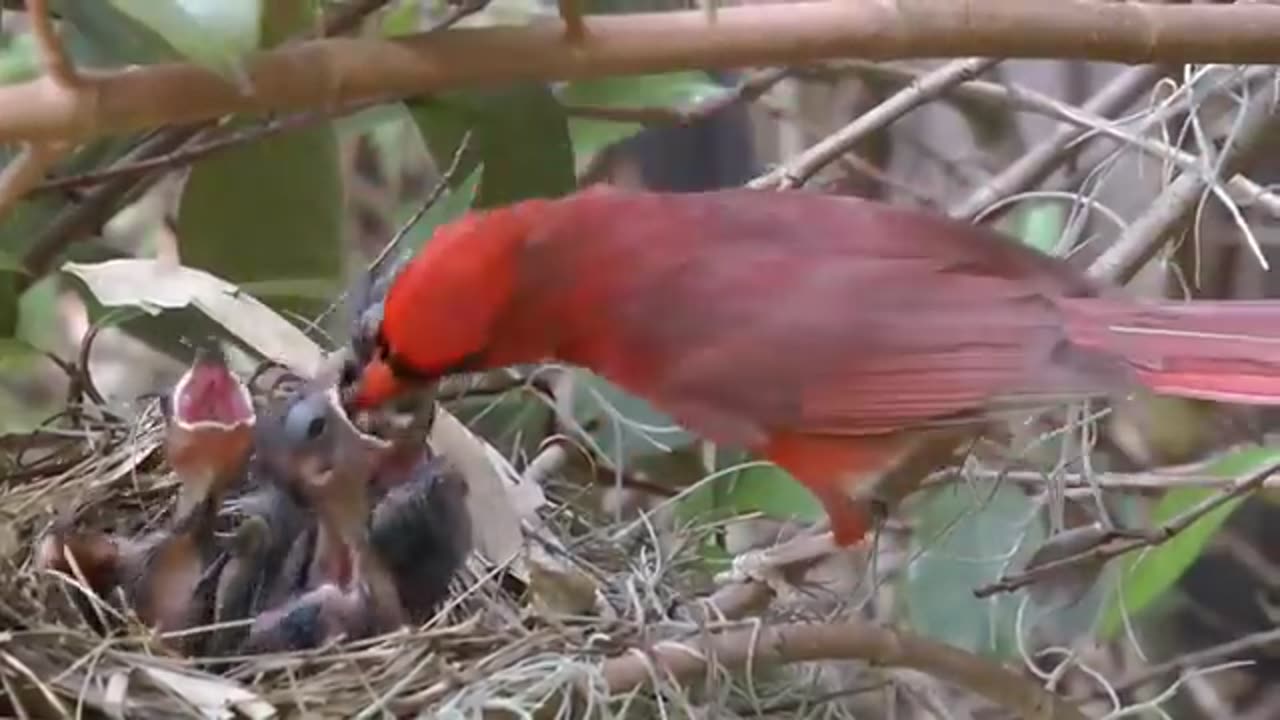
point(1144, 576)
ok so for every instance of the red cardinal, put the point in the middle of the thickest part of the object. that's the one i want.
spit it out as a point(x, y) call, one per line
point(830, 335)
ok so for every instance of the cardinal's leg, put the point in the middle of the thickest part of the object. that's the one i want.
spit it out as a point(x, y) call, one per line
point(857, 480)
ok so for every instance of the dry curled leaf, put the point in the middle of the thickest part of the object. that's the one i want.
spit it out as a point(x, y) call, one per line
point(214, 697)
point(559, 588)
point(155, 285)
point(1065, 586)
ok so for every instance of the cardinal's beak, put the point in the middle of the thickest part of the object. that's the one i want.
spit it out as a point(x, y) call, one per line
point(376, 386)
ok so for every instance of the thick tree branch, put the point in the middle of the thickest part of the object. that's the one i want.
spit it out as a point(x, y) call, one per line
point(340, 71)
point(799, 642)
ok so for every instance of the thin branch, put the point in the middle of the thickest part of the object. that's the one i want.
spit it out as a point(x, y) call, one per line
point(338, 71)
point(1144, 236)
point(83, 218)
point(53, 55)
point(187, 155)
point(1049, 154)
point(1190, 661)
point(798, 170)
point(1138, 482)
point(762, 645)
point(447, 177)
point(1125, 541)
point(749, 90)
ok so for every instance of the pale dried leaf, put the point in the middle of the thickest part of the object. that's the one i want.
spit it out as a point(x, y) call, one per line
point(496, 498)
point(215, 697)
point(155, 285)
point(116, 695)
point(560, 588)
point(1065, 586)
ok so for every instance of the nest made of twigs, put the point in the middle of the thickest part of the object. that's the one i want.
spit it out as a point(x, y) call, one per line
point(495, 647)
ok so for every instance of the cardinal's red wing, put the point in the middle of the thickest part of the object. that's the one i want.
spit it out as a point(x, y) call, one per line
point(743, 312)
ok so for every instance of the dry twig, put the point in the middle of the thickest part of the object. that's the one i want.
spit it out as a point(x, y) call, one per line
point(1124, 541)
point(798, 170)
point(1142, 239)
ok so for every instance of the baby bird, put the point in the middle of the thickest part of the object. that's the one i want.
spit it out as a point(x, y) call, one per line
point(167, 575)
point(348, 591)
point(422, 531)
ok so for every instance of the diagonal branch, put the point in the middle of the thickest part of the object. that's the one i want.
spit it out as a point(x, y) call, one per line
point(798, 170)
point(1126, 541)
point(1142, 239)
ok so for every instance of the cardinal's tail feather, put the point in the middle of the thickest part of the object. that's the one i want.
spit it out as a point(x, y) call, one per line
point(1225, 351)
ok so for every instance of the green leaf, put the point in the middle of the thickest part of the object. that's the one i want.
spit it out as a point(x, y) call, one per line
point(99, 34)
point(671, 90)
point(155, 287)
point(770, 490)
point(10, 262)
point(520, 135)
point(964, 534)
point(629, 425)
point(18, 60)
point(401, 19)
point(281, 19)
point(1042, 226)
point(1145, 575)
point(269, 211)
point(213, 33)
point(17, 355)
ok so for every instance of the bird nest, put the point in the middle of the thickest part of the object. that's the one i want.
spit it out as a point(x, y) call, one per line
point(560, 641)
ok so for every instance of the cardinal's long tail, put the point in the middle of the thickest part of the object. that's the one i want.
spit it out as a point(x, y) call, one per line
point(1227, 351)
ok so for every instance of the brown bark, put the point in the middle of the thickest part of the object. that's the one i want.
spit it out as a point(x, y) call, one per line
point(337, 71)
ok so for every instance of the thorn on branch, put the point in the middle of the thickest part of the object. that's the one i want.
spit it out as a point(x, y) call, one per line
point(575, 30)
point(52, 54)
